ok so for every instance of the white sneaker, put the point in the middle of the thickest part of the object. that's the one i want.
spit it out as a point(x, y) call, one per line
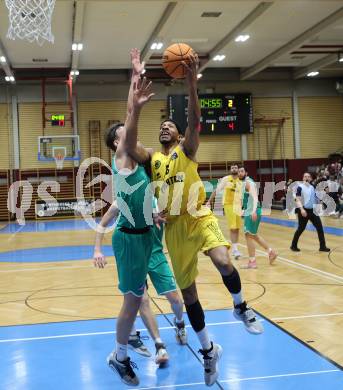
point(136, 344)
point(245, 314)
point(236, 254)
point(162, 356)
point(211, 358)
point(180, 332)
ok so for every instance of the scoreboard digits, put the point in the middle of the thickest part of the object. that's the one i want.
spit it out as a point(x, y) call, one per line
point(220, 114)
point(57, 120)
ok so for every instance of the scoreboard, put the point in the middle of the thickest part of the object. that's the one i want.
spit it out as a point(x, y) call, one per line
point(220, 114)
point(57, 120)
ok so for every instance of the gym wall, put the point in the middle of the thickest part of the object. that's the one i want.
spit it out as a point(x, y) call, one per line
point(5, 136)
point(320, 120)
point(321, 125)
point(30, 127)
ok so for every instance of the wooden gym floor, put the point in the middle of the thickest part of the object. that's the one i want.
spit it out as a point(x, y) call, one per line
point(47, 276)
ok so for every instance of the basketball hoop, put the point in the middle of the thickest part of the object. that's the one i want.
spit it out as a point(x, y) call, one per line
point(59, 159)
point(31, 20)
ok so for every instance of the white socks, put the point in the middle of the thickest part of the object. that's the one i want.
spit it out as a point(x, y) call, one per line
point(133, 331)
point(234, 247)
point(121, 352)
point(237, 298)
point(204, 339)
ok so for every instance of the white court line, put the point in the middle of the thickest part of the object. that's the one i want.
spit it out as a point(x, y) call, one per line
point(235, 380)
point(307, 316)
point(313, 270)
point(160, 328)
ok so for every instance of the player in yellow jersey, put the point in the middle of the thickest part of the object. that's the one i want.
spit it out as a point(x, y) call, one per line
point(232, 205)
point(191, 226)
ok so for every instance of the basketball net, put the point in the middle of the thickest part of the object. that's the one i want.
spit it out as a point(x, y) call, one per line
point(59, 159)
point(31, 20)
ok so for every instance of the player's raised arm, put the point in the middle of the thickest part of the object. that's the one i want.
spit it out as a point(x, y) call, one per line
point(137, 70)
point(141, 94)
point(191, 141)
point(139, 153)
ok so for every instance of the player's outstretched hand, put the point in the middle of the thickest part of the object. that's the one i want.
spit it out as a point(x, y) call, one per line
point(99, 259)
point(191, 69)
point(137, 65)
point(142, 92)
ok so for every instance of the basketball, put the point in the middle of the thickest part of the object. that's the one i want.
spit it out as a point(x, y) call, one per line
point(173, 57)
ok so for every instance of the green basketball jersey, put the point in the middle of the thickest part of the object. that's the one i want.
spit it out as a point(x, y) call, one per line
point(134, 197)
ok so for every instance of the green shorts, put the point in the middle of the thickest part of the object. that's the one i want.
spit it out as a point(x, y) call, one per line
point(251, 226)
point(159, 270)
point(132, 253)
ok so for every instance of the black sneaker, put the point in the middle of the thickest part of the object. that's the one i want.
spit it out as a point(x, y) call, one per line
point(136, 344)
point(324, 249)
point(123, 369)
point(294, 249)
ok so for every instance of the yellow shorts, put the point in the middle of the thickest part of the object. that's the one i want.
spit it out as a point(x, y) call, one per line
point(185, 237)
point(234, 221)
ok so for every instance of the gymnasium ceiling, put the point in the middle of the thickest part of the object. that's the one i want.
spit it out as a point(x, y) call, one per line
point(285, 35)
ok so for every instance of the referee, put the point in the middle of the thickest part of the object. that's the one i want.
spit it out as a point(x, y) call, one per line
point(305, 201)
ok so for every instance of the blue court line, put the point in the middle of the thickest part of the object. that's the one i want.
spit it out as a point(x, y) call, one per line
point(52, 253)
point(284, 222)
point(270, 361)
point(79, 224)
point(46, 226)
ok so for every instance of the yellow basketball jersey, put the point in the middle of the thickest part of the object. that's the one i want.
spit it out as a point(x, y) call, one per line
point(231, 186)
point(180, 189)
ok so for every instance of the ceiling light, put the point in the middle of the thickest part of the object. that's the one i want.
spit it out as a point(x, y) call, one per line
point(312, 74)
point(2, 59)
point(156, 46)
point(199, 75)
point(219, 57)
point(242, 38)
point(10, 78)
point(77, 46)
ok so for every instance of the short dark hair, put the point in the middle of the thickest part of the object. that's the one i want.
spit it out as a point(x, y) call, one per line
point(111, 135)
point(175, 123)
